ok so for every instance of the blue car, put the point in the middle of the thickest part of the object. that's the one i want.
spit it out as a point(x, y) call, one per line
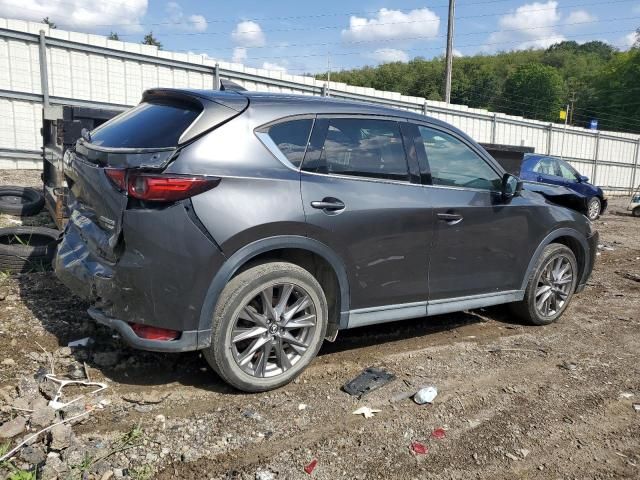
point(554, 171)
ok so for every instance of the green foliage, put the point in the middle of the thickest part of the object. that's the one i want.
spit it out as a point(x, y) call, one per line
point(539, 90)
point(531, 83)
point(113, 36)
point(149, 39)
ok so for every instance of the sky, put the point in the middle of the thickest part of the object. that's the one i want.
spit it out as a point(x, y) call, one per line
point(310, 37)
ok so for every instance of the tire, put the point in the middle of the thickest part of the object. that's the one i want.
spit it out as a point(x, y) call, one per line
point(636, 212)
point(594, 207)
point(243, 294)
point(25, 249)
point(22, 201)
point(527, 309)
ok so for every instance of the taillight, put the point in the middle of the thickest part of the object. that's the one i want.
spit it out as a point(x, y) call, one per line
point(154, 333)
point(150, 187)
point(167, 188)
point(118, 177)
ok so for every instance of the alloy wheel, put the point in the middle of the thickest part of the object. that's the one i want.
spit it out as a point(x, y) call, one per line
point(273, 330)
point(594, 210)
point(554, 286)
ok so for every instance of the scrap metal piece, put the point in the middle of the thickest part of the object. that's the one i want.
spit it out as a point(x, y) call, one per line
point(370, 379)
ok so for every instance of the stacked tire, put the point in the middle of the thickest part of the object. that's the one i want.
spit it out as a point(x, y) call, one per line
point(25, 249)
point(21, 201)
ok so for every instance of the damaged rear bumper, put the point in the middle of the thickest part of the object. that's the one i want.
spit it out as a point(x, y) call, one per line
point(189, 340)
point(160, 278)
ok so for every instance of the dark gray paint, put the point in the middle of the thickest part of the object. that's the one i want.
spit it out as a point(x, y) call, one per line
point(392, 256)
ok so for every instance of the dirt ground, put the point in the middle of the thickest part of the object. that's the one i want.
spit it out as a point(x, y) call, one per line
point(515, 401)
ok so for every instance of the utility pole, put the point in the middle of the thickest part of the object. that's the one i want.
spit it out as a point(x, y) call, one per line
point(447, 85)
point(572, 101)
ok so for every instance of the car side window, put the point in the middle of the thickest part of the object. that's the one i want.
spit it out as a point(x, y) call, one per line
point(566, 171)
point(360, 147)
point(545, 166)
point(291, 138)
point(452, 163)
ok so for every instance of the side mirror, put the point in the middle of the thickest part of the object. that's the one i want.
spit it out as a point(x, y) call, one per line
point(583, 179)
point(511, 187)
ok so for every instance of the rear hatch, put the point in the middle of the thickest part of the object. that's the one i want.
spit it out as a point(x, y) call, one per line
point(137, 144)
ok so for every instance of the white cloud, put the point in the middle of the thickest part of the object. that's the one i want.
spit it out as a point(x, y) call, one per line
point(636, 9)
point(530, 26)
point(386, 55)
point(630, 39)
point(581, 16)
point(274, 66)
point(457, 53)
point(178, 18)
point(248, 34)
point(393, 25)
point(239, 55)
point(79, 14)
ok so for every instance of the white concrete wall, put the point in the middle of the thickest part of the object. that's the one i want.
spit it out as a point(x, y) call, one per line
point(104, 77)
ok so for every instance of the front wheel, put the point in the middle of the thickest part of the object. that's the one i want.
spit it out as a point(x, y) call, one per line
point(636, 212)
point(593, 208)
point(268, 325)
point(551, 286)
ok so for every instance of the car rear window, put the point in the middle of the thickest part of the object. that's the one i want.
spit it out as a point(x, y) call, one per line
point(156, 124)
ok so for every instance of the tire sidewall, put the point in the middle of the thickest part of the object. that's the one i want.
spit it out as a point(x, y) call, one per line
point(35, 201)
point(636, 212)
point(225, 314)
point(550, 252)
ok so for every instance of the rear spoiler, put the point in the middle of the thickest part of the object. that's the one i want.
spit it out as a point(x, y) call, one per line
point(217, 108)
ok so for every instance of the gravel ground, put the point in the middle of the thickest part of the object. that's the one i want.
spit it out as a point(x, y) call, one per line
point(514, 401)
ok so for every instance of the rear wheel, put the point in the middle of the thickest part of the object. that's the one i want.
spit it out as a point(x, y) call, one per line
point(551, 286)
point(593, 208)
point(267, 327)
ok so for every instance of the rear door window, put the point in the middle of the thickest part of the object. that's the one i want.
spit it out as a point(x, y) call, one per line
point(157, 124)
point(360, 147)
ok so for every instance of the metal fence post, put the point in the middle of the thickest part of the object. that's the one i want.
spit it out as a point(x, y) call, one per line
point(325, 90)
point(425, 108)
point(595, 158)
point(216, 77)
point(549, 131)
point(494, 127)
point(44, 74)
point(632, 187)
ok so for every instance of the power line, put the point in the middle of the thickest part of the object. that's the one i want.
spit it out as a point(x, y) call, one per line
point(422, 49)
point(424, 37)
point(332, 14)
point(328, 27)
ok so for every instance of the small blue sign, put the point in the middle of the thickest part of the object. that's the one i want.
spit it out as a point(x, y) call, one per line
point(593, 125)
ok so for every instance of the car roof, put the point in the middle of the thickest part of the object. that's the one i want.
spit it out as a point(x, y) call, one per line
point(292, 104)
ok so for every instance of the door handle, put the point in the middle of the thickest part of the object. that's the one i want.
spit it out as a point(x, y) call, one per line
point(328, 204)
point(450, 218)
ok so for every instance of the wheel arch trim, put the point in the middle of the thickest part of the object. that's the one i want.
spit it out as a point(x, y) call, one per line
point(554, 235)
point(252, 250)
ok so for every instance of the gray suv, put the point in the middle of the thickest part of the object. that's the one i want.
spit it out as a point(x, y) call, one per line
point(254, 226)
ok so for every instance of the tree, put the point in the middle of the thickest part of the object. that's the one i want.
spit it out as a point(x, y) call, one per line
point(49, 22)
point(637, 42)
point(149, 39)
point(113, 36)
point(534, 90)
